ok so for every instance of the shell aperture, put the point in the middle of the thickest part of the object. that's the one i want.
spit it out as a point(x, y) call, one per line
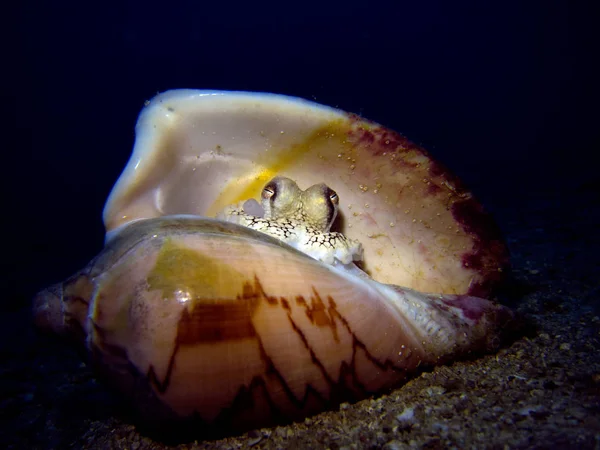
point(301, 219)
point(197, 152)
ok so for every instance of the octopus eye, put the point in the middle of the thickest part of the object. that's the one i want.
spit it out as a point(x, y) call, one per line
point(334, 197)
point(268, 192)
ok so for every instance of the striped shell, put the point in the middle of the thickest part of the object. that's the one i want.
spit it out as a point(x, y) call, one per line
point(208, 323)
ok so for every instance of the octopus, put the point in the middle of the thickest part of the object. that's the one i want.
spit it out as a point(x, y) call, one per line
point(301, 219)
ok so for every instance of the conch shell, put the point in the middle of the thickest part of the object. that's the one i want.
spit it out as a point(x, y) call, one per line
point(212, 324)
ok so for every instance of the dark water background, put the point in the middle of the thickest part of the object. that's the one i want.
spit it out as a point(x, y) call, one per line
point(501, 92)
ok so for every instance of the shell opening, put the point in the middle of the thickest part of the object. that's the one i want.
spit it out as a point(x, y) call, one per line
point(197, 152)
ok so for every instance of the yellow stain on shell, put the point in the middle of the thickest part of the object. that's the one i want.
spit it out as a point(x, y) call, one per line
point(197, 274)
point(274, 162)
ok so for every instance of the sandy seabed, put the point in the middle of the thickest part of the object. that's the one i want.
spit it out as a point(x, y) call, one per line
point(542, 390)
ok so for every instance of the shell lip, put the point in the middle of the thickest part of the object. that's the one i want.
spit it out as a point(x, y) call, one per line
point(207, 225)
point(190, 94)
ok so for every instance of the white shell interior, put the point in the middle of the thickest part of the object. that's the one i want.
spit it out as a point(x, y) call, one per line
point(199, 151)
